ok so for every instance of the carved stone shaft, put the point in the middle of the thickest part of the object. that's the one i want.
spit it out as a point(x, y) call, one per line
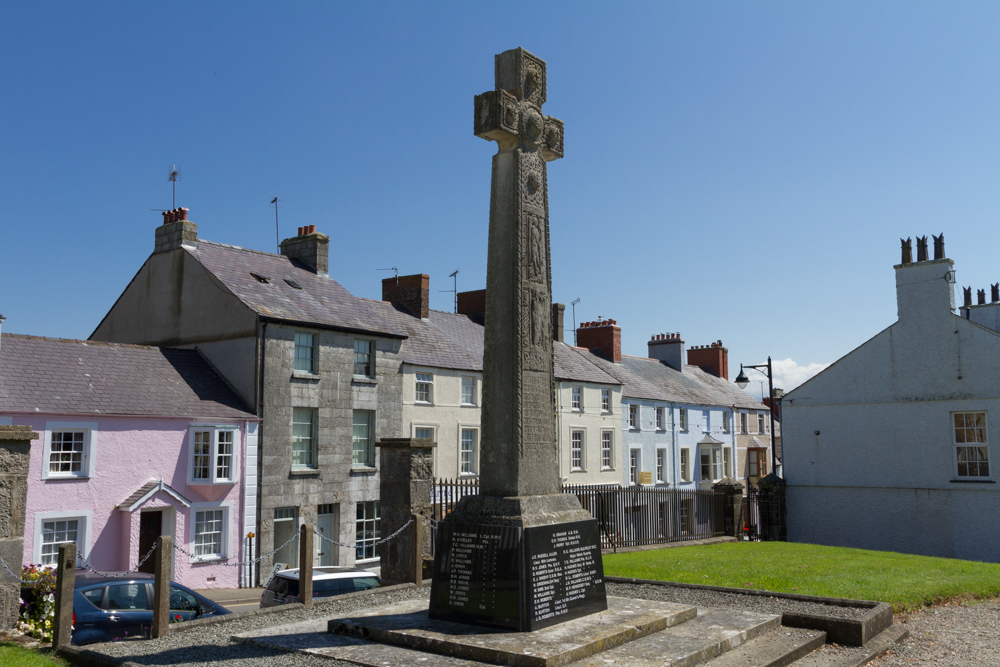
point(519, 450)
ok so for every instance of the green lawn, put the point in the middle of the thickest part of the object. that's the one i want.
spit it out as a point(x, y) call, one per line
point(905, 581)
point(16, 656)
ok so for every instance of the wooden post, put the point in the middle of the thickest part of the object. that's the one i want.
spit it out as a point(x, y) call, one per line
point(62, 633)
point(417, 550)
point(306, 564)
point(161, 586)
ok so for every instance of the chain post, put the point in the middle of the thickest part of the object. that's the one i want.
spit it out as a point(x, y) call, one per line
point(306, 564)
point(62, 633)
point(161, 587)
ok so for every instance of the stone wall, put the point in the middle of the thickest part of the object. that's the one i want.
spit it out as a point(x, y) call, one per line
point(406, 469)
point(335, 393)
point(15, 442)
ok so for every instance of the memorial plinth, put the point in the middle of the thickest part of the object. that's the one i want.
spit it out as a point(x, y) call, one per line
point(521, 555)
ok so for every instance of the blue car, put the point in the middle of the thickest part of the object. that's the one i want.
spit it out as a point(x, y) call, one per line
point(115, 608)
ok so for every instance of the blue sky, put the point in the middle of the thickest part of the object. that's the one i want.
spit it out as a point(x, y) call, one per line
point(734, 171)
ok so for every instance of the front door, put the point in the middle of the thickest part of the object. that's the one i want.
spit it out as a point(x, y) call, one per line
point(150, 529)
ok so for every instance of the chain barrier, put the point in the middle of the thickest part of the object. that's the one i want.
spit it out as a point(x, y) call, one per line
point(24, 582)
point(354, 546)
point(252, 561)
point(117, 575)
point(200, 559)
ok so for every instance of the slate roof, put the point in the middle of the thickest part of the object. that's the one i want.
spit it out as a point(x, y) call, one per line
point(320, 301)
point(59, 376)
point(652, 379)
point(447, 340)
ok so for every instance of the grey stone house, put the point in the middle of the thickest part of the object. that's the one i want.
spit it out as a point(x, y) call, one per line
point(320, 367)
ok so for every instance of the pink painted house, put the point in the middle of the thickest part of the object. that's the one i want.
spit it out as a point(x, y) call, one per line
point(135, 442)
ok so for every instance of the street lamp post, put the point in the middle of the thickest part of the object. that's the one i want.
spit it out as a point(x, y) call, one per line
point(742, 381)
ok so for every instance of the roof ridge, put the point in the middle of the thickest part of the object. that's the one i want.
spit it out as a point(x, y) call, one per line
point(237, 247)
point(136, 346)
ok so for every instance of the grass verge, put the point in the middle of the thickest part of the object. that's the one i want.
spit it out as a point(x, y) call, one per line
point(12, 655)
point(903, 580)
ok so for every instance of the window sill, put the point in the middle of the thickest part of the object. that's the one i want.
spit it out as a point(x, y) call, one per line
point(363, 470)
point(605, 469)
point(361, 379)
point(304, 472)
point(305, 375)
point(972, 481)
point(53, 477)
point(468, 475)
point(207, 482)
point(194, 560)
point(469, 405)
point(577, 470)
point(426, 403)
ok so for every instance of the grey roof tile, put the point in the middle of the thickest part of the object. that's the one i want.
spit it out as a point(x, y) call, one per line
point(652, 379)
point(54, 375)
point(321, 299)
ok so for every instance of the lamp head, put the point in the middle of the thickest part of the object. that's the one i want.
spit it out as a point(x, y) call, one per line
point(742, 380)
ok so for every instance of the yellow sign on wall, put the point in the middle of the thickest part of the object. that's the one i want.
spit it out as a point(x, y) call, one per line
point(645, 478)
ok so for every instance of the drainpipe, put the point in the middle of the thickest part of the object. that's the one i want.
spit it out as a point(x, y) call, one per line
point(676, 446)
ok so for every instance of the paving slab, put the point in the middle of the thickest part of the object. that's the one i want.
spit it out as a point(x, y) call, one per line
point(711, 634)
point(854, 656)
point(778, 648)
point(407, 624)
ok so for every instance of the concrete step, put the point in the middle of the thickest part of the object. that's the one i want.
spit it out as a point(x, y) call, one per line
point(712, 633)
point(832, 655)
point(778, 648)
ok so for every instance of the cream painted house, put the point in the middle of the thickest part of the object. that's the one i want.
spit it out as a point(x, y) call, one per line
point(589, 419)
point(444, 405)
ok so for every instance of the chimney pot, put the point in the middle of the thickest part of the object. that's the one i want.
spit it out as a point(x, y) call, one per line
point(981, 297)
point(995, 292)
point(966, 296)
point(183, 213)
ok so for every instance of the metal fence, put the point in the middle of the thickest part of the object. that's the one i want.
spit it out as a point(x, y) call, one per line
point(626, 516)
point(764, 515)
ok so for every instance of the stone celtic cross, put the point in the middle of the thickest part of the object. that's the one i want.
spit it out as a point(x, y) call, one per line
point(519, 453)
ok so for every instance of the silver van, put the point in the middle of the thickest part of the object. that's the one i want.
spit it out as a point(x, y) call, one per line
point(284, 586)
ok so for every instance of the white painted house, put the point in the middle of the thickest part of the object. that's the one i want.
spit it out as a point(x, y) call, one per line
point(889, 448)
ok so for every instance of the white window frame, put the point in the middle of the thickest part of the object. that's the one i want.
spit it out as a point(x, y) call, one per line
point(376, 534)
point(227, 529)
point(634, 465)
point(605, 401)
point(431, 427)
point(685, 464)
point(313, 355)
point(744, 428)
point(607, 449)
point(213, 455)
point(89, 449)
point(369, 461)
point(683, 420)
point(715, 462)
point(475, 385)
point(83, 530)
point(475, 450)
point(760, 422)
point(313, 443)
point(633, 417)
point(576, 398)
point(661, 466)
point(706, 416)
point(725, 421)
point(971, 445)
point(727, 462)
point(577, 459)
point(371, 358)
point(423, 378)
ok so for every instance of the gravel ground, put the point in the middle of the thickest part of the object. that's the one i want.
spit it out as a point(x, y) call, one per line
point(210, 645)
point(959, 635)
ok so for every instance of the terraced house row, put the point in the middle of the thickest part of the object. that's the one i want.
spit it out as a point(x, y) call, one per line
point(317, 377)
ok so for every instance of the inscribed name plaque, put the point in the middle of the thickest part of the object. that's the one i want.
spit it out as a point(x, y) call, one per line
point(518, 579)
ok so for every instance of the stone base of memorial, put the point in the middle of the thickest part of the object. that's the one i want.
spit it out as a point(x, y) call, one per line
point(521, 563)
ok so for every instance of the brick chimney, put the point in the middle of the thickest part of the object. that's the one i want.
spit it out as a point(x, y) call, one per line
point(309, 247)
point(668, 348)
point(411, 293)
point(473, 304)
point(176, 231)
point(603, 337)
point(712, 359)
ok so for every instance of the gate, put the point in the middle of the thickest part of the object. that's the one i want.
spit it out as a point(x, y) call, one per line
point(764, 513)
